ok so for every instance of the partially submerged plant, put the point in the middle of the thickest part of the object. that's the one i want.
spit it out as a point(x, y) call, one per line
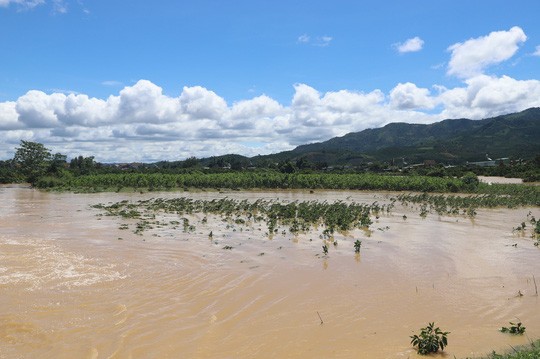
point(357, 246)
point(515, 328)
point(534, 226)
point(520, 227)
point(325, 249)
point(430, 339)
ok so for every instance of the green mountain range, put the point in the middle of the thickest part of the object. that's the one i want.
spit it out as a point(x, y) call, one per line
point(454, 141)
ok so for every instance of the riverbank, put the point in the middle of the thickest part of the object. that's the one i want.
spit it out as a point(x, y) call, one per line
point(530, 351)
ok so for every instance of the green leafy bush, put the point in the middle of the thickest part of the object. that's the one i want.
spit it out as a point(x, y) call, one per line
point(470, 180)
point(430, 339)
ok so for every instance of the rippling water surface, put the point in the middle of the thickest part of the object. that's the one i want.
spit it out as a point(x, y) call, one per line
point(75, 285)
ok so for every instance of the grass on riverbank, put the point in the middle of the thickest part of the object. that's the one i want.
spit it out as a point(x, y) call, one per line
point(531, 351)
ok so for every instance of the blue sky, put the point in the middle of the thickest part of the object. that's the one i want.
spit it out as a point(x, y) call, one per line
point(145, 81)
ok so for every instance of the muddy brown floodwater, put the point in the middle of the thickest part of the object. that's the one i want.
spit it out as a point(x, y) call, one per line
point(503, 180)
point(75, 285)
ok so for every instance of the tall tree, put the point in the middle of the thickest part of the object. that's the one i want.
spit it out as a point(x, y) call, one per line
point(7, 175)
point(191, 162)
point(31, 160)
point(83, 165)
point(57, 163)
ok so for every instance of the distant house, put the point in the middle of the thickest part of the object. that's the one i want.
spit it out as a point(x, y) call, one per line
point(490, 162)
point(128, 166)
point(426, 163)
point(482, 164)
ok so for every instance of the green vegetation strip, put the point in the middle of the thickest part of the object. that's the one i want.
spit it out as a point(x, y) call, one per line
point(454, 204)
point(256, 179)
point(303, 216)
point(298, 216)
point(531, 351)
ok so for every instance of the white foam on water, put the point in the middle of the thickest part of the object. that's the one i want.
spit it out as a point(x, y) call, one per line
point(42, 265)
point(11, 242)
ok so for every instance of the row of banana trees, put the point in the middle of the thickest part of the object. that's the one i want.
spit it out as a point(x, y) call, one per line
point(258, 180)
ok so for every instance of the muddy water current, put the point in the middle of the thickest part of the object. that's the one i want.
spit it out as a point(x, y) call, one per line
point(73, 284)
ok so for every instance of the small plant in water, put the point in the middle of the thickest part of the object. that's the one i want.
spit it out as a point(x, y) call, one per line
point(325, 249)
point(515, 328)
point(521, 227)
point(430, 339)
point(357, 246)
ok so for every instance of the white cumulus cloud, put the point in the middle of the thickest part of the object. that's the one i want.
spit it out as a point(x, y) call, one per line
point(485, 96)
point(142, 123)
point(200, 103)
point(36, 109)
point(9, 118)
point(408, 96)
point(411, 45)
point(145, 102)
point(472, 57)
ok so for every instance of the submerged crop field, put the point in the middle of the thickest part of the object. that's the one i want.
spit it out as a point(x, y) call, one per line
point(243, 273)
point(297, 216)
point(304, 216)
point(333, 230)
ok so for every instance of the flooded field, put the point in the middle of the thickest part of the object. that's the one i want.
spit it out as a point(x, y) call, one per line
point(74, 284)
point(495, 179)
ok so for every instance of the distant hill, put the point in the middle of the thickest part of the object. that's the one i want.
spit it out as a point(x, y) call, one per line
point(455, 141)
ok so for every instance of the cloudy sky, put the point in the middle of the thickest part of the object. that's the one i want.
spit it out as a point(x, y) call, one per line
point(165, 79)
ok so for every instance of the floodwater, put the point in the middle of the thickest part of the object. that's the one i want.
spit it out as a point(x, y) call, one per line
point(502, 180)
point(75, 285)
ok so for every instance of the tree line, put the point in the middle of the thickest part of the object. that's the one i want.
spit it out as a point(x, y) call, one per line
point(37, 165)
point(32, 161)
